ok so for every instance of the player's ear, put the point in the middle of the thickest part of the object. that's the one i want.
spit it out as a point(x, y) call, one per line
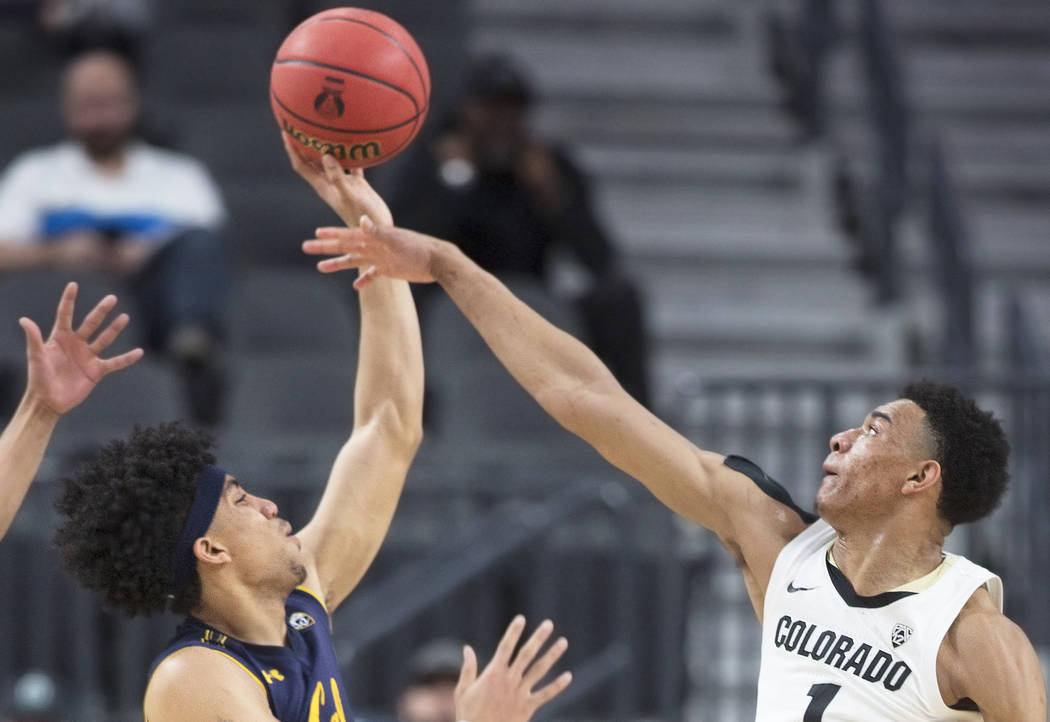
point(210, 550)
point(922, 477)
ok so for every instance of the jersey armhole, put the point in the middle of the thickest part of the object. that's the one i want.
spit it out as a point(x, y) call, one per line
point(770, 487)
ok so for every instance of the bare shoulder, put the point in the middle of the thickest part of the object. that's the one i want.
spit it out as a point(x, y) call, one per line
point(987, 659)
point(760, 519)
point(199, 683)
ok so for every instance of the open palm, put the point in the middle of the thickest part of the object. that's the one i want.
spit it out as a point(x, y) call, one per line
point(65, 368)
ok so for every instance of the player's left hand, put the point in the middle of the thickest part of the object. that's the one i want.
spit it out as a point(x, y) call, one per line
point(377, 250)
point(504, 690)
point(64, 369)
point(346, 193)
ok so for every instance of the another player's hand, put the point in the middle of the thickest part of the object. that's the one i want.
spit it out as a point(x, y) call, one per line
point(64, 369)
point(346, 193)
point(504, 692)
point(379, 250)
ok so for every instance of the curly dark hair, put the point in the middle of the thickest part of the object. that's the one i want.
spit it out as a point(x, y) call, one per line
point(124, 511)
point(970, 446)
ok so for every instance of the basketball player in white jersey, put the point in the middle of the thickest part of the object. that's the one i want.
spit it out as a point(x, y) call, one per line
point(864, 616)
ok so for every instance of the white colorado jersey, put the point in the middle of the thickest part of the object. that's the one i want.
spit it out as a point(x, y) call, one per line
point(831, 655)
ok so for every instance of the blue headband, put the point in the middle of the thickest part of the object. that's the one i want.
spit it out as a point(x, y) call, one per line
point(202, 511)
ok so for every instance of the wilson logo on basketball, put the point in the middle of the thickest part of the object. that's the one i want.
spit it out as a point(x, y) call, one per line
point(341, 151)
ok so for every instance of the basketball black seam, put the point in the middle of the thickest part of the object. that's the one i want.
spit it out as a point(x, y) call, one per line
point(394, 40)
point(409, 139)
point(314, 63)
point(343, 130)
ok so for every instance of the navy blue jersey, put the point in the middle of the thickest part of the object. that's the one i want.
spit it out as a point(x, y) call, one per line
point(301, 679)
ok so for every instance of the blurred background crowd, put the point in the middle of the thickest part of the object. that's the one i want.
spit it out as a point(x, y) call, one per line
point(764, 215)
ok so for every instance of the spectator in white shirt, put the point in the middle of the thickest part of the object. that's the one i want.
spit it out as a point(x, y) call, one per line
point(105, 201)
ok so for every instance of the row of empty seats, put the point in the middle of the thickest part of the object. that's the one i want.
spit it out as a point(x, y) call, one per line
point(291, 358)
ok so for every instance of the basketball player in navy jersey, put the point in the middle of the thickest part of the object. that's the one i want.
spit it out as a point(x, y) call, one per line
point(864, 616)
point(61, 372)
point(154, 519)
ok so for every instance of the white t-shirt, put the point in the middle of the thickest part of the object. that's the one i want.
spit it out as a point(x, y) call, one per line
point(47, 192)
point(830, 655)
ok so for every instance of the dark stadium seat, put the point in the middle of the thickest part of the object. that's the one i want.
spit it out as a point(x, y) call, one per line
point(475, 397)
point(270, 217)
point(273, 311)
point(35, 294)
point(237, 141)
point(290, 413)
point(216, 63)
point(147, 393)
point(301, 393)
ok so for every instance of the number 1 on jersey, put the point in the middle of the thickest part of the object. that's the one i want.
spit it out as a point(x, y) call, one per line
point(822, 695)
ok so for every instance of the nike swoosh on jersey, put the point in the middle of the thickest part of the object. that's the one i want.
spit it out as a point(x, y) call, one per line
point(792, 588)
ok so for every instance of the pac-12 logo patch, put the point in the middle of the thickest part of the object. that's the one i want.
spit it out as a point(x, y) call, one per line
point(300, 620)
point(901, 634)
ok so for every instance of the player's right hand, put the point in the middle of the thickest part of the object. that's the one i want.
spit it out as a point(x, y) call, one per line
point(64, 369)
point(346, 193)
point(506, 690)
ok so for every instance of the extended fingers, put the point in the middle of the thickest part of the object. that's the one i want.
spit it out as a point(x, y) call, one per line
point(366, 277)
point(301, 164)
point(64, 314)
point(468, 672)
point(332, 170)
point(548, 692)
point(509, 641)
point(531, 648)
point(293, 154)
point(96, 316)
point(34, 339)
point(122, 361)
point(104, 339)
point(341, 263)
point(330, 247)
point(544, 664)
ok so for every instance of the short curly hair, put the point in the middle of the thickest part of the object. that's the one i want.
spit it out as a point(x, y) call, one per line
point(124, 511)
point(971, 448)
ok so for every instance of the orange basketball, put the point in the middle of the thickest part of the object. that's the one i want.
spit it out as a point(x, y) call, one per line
point(352, 83)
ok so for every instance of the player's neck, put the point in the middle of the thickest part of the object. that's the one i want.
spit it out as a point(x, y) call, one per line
point(882, 558)
point(245, 614)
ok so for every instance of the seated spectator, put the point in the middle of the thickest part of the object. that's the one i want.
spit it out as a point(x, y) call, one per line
point(429, 695)
point(508, 199)
point(78, 24)
point(105, 201)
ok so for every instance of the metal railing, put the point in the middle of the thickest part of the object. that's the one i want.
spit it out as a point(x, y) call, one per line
point(785, 425)
point(493, 552)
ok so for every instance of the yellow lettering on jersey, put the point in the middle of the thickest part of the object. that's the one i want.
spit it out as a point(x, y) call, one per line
point(273, 674)
point(318, 702)
point(213, 637)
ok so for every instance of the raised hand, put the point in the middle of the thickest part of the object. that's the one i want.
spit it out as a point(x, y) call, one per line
point(346, 193)
point(504, 690)
point(65, 368)
point(380, 250)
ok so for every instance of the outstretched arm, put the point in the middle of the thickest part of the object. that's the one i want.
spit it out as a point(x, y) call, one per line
point(369, 472)
point(574, 387)
point(62, 371)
